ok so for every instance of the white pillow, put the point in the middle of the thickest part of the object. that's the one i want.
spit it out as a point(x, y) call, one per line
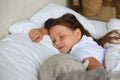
point(100, 28)
point(49, 11)
point(23, 26)
point(55, 11)
point(113, 24)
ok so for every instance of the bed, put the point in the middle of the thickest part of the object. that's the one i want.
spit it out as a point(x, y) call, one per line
point(21, 59)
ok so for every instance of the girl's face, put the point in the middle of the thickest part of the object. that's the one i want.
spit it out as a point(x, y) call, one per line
point(64, 38)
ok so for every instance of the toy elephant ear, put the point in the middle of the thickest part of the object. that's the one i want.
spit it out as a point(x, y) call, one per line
point(60, 63)
point(86, 63)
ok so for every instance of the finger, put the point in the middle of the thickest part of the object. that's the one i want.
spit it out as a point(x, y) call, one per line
point(38, 39)
point(34, 37)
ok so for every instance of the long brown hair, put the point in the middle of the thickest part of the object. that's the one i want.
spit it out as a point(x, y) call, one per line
point(70, 21)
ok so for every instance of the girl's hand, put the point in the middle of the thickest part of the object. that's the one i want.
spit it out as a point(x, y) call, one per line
point(36, 35)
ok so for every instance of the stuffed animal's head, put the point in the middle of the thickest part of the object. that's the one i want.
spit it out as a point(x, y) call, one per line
point(60, 63)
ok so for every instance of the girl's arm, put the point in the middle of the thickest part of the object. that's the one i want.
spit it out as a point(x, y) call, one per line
point(93, 63)
point(37, 34)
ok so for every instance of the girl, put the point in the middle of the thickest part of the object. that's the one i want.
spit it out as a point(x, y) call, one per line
point(68, 36)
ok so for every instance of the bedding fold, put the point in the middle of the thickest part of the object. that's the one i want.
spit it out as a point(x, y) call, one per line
point(21, 59)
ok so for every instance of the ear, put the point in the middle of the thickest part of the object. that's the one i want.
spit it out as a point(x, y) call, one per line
point(78, 33)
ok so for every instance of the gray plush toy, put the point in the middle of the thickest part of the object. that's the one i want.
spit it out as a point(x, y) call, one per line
point(58, 64)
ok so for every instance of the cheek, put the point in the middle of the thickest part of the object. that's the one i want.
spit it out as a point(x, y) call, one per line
point(65, 40)
point(72, 41)
point(68, 42)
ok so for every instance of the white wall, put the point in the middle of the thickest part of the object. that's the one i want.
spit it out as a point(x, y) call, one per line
point(14, 10)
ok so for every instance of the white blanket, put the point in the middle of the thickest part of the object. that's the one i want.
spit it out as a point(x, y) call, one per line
point(21, 59)
point(112, 57)
point(112, 61)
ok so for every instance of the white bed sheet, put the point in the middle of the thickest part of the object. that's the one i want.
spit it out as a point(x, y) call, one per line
point(20, 59)
point(112, 61)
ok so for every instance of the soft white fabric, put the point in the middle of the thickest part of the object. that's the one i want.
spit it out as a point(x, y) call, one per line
point(86, 47)
point(55, 11)
point(113, 24)
point(21, 59)
point(22, 55)
point(112, 60)
point(23, 26)
point(100, 28)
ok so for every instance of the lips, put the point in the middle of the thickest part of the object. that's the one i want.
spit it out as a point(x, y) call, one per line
point(60, 48)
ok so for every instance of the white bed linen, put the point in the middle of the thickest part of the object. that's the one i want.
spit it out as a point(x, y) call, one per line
point(100, 28)
point(112, 57)
point(113, 24)
point(20, 59)
point(23, 26)
point(52, 11)
point(112, 60)
point(24, 57)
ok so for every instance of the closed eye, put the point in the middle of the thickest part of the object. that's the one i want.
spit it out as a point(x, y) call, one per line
point(61, 36)
point(53, 41)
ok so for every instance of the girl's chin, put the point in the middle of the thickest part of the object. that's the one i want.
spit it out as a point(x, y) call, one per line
point(64, 52)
